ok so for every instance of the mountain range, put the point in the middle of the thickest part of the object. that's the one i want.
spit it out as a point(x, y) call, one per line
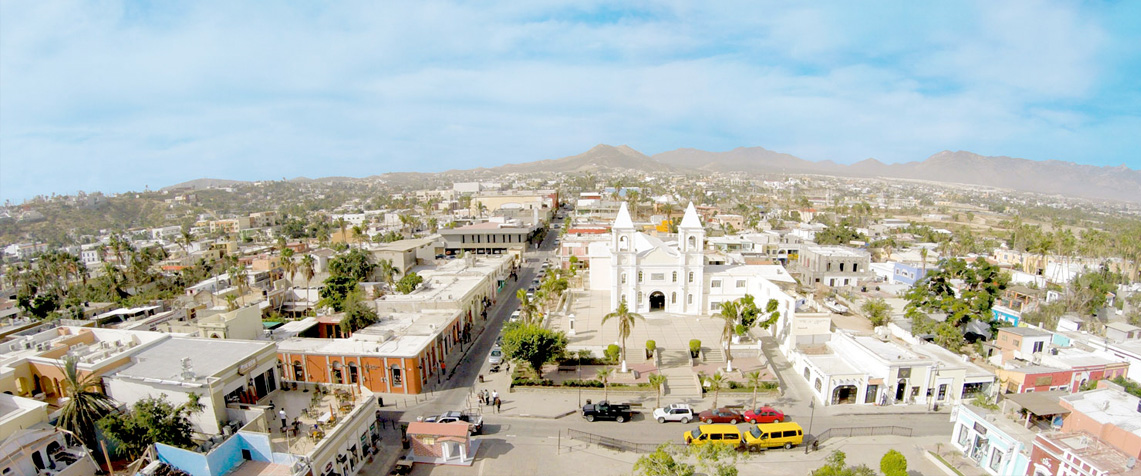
point(1049, 177)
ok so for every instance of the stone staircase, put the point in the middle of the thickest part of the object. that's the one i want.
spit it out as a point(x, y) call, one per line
point(680, 382)
point(715, 355)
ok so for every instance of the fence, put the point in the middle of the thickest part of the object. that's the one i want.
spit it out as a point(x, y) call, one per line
point(612, 443)
point(849, 432)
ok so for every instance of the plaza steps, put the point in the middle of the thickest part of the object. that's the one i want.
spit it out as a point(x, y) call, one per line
point(680, 381)
point(715, 355)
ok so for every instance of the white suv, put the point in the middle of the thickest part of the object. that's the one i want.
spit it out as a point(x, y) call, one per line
point(675, 412)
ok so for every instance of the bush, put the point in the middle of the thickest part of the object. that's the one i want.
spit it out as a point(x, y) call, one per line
point(612, 353)
point(532, 382)
point(651, 345)
point(694, 347)
point(583, 383)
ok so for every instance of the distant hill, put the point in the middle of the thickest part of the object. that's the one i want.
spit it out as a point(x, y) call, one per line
point(1051, 176)
point(204, 183)
point(601, 157)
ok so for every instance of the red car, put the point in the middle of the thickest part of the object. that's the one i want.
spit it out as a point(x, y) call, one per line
point(720, 415)
point(764, 415)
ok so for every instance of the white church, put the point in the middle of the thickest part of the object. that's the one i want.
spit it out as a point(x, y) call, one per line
point(652, 274)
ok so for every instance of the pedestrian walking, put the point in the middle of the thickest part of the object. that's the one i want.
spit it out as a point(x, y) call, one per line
point(498, 403)
point(281, 413)
point(494, 395)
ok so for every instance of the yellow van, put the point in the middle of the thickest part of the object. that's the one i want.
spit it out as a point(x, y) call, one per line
point(772, 435)
point(721, 434)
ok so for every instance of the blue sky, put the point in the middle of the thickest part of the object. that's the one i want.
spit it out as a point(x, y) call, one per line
point(113, 96)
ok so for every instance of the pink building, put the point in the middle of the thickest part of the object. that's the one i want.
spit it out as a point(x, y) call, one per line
point(1108, 413)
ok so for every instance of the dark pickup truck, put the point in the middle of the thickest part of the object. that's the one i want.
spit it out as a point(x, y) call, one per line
point(604, 410)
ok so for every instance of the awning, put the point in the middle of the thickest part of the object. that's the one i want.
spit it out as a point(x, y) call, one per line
point(1040, 403)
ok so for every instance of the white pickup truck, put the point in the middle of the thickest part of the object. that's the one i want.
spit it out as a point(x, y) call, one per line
point(475, 422)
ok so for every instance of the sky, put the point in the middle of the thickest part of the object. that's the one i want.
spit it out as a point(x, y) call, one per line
point(112, 96)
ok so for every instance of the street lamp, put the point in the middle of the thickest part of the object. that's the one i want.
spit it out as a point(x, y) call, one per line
point(812, 416)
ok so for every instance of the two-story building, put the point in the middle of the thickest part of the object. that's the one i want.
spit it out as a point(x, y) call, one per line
point(832, 266)
point(997, 445)
point(1022, 343)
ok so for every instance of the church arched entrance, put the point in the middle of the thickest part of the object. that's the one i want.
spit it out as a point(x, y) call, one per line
point(657, 301)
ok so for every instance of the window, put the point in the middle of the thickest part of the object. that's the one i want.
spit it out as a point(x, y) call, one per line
point(673, 298)
point(397, 379)
point(818, 385)
point(870, 396)
point(639, 276)
point(828, 267)
point(692, 244)
point(963, 435)
point(639, 296)
point(807, 374)
point(1017, 342)
point(841, 267)
point(855, 267)
point(337, 377)
point(715, 284)
point(740, 283)
point(623, 278)
point(942, 391)
point(714, 306)
point(353, 374)
point(995, 459)
point(1038, 346)
point(675, 276)
point(690, 299)
point(691, 276)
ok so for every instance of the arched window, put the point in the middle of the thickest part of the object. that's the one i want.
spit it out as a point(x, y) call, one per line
point(337, 376)
point(673, 297)
point(353, 374)
point(623, 278)
point(639, 296)
point(675, 276)
point(639, 277)
point(622, 243)
point(690, 299)
point(691, 276)
point(692, 243)
point(298, 371)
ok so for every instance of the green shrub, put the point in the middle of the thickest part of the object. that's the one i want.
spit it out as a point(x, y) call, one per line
point(694, 346)
point(531, 382)
point(613, 352)
point(583, 383)
point(651, 345)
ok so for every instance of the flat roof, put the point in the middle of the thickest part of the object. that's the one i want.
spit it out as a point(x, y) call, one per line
point(394, 335)
point(889, 351)
point(208, 357)
point(1040, 403)
point(1108, 405)
point(1026, 331)
point(832, 364)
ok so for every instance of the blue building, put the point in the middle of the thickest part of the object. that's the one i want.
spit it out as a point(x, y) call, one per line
point(999, 446)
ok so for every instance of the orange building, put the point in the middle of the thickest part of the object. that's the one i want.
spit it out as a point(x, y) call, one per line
point(399, 354)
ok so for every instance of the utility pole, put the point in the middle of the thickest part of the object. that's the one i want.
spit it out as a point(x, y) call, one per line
point(811, 418)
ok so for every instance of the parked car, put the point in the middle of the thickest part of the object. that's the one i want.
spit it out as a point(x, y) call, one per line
point(514, 316)
point(475, 422)
point(605, 410)
point(765, 414)
point(675, 412)
point(728, 435)
point(720, 415)
point(496, 356)
point(773, 435)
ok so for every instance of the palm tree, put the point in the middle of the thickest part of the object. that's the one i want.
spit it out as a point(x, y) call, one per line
point(308, 269)
point(923, 256)
point(729, 313)
point(626, 321)
point(85, 405)
point(656, 381)
point(753, 380)
point(238, 280)
point(716, 383)
point(387, 271)
point(604, 376)
point(527, 307)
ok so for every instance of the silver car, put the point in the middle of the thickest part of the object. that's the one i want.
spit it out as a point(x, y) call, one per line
point(496, 356)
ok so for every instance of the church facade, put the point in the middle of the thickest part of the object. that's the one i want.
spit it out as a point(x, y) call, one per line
point(652, 274)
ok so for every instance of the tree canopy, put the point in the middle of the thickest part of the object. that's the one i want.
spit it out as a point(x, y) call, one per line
point(152, 420)
point(981, 284)
point(533, 344)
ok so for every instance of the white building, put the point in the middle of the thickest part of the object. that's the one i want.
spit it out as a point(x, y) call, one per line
point(673, 276)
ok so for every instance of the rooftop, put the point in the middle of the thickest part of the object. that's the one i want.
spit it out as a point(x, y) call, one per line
point(1026, 331)
point(1108, 405)
point(888, 351)
point(396, 334)
point(1092, 450)
point(208, 357)
point(1009, 427)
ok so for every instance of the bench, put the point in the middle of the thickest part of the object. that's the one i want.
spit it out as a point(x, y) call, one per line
point(568, 368)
